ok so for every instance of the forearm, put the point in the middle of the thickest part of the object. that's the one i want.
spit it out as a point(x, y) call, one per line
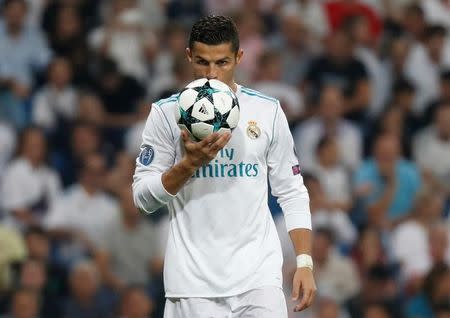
point(382, 205)
point(110, 279)
point(301, 239)
point(175, 178)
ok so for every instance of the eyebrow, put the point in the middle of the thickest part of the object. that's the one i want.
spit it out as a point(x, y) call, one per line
point(226, 58)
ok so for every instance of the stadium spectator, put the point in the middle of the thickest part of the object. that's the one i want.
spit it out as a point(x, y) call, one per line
point(425, 63)
point(82, 215)
point(338, 10)
point(435, 292)
point(68, 39)
point(85, 299)
point(24, 304)
point(33, 275)
point(367, 52)
point(336, 275)
point(325, 214)
point(376, 311)
point(312, 13)
point(369, 251)
point(333, 176)
point(135, 303)
point(291, 43)
point(413, 21)
point(128, 252)
point(55, 104)
point(432, 150)
point(269, 81)
point(85, 139)
point(328, 122)
point(411, 239)
point(378, 287)
point(120, 95)
point(387, 184)
point(38, 248)
point(250, 26)
point(29, 186)
point(337, 66)
point(23, 51)
point(437, 12)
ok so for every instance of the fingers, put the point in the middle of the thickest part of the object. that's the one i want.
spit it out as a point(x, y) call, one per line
point(205, 150)
point(210, 139)
point(306, 300)
point(296, 285)
point(220, 142)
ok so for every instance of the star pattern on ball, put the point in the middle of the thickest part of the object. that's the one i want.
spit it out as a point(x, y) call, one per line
point(206, 91)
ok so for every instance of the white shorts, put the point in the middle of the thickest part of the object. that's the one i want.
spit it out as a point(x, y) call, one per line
point(264, 302)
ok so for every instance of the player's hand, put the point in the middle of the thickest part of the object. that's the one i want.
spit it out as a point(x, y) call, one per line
point(202, 152)
point(305, 286)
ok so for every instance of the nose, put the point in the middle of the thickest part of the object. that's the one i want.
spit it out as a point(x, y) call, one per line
point(212, 72)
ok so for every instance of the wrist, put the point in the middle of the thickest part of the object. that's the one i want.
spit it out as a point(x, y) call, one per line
point(305, 261)
point(188, 165)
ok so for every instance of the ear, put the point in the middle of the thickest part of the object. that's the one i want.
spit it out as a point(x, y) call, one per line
point(239, 55)
point(189, 54)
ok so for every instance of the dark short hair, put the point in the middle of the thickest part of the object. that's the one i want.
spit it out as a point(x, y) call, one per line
point(7, 3)
point(327, 232)
point(445, 75)
point(403, 85)
point(215, 30)
point(435, 30)
point(36, 230)
point(415, 8)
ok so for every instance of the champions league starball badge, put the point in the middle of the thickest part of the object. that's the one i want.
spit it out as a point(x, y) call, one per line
point(253, 130)
point(147, 154)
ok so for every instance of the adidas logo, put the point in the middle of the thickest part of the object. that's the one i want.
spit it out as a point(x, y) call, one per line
point(203, 110)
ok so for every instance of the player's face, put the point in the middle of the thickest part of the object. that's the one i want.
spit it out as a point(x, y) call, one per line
point(214, 61)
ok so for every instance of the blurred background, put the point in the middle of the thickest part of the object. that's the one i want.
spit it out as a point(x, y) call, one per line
point(366, 89)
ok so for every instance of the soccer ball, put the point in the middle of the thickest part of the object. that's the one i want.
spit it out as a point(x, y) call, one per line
point(207, 106)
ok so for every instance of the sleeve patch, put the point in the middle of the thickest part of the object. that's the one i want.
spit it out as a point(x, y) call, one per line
point(296, 169)
point(146, 156)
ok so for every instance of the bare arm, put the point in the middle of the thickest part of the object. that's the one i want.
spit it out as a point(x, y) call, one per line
point(377, 210)
point(303, 277)
point(102, 259)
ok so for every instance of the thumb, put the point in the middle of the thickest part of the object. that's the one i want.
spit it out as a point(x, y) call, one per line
point(184, 135)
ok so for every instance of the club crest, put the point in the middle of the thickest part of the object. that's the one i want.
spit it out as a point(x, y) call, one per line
point(253, 130)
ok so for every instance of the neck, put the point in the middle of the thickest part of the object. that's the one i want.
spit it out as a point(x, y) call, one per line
point(330, 123)
point(325, 163)
point(14, 30)
point(90, 190)
point(444, 137)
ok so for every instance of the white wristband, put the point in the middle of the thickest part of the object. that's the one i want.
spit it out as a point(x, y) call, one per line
point(304, 260)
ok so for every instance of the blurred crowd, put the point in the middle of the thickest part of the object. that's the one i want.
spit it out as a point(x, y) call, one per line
point(365, 86)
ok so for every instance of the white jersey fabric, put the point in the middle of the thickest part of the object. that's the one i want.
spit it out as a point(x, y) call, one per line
point(222, 238)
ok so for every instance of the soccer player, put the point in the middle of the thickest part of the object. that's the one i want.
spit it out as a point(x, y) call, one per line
point(223, 256)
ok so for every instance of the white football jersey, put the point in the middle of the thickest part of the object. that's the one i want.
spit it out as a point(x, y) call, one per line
point(222, 239)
